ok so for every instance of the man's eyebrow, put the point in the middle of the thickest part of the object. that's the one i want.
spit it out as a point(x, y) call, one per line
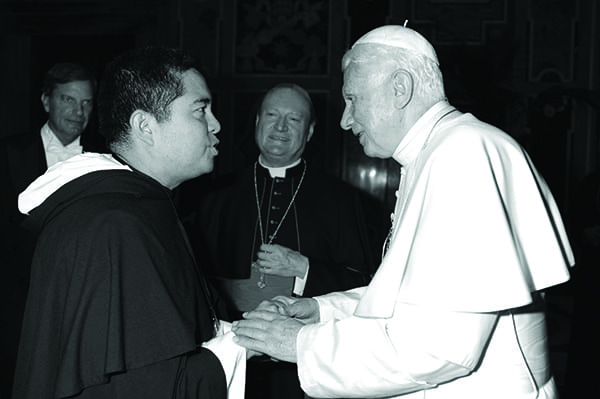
point(202, 101)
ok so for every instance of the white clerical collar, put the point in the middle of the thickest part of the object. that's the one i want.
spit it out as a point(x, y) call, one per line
point(412, 144)
point(279, 171)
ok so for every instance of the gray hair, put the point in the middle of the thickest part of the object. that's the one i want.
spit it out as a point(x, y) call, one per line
point(383, 60)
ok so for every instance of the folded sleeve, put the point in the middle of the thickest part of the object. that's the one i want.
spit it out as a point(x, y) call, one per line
point(417, 349)
point(339, 305)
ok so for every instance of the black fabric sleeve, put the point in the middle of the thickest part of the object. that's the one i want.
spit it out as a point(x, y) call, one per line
point(198, 375)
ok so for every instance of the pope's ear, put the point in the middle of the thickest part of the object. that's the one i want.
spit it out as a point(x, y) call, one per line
point(142, 126)
point(403, 84)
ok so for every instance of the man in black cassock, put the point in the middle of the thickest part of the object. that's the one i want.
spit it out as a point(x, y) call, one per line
point(117, 304)
point(282, 227)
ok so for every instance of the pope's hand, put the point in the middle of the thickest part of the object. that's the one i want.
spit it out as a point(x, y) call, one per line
point(271, 333)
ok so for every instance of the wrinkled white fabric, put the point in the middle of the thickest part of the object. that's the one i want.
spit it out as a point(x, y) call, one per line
point(452, 310)
point(476, 228)
point(233, 360)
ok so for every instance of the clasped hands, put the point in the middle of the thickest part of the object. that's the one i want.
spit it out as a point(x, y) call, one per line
point(272, 328)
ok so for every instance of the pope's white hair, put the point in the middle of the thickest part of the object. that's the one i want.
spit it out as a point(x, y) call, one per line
point(382, 60)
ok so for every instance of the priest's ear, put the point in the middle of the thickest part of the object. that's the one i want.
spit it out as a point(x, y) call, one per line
point(403, 84)
point(143, 127)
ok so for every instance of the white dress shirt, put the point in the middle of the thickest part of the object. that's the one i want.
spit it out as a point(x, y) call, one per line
point(55, 150)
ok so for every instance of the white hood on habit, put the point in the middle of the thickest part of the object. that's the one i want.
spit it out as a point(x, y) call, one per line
point(62, 173)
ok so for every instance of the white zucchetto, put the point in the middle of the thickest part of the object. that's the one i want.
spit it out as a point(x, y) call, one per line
point(400, 37)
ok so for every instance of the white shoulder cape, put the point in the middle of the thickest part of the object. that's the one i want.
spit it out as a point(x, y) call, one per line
point(477, 228)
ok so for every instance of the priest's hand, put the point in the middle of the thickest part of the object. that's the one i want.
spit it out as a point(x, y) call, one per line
point(268, 332)
point(281, 261)
point(305, 310)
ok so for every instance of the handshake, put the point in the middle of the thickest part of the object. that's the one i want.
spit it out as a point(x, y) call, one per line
point(272, 328)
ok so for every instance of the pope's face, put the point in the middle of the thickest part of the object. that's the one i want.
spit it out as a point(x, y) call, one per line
point(188, 138)
point(369, 112)
point(69, 107)
point(283, 127)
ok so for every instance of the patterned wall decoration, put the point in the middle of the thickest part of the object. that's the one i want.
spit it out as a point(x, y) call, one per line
point(282, 37)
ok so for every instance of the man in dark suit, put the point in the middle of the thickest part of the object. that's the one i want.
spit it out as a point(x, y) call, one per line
point(67, 97)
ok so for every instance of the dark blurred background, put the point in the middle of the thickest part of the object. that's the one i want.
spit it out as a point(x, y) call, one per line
point(530, 67)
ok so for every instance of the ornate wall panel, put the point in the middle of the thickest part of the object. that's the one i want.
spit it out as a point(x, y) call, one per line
point(282, 37)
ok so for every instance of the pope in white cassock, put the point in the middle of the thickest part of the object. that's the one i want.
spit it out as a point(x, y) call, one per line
point(454, 310)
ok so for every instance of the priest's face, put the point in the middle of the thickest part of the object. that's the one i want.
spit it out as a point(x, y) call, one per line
point(369, 111)
point(186, 140)
point(283, 127)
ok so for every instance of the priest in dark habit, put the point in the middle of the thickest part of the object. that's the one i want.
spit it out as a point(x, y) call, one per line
point(118, 306)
